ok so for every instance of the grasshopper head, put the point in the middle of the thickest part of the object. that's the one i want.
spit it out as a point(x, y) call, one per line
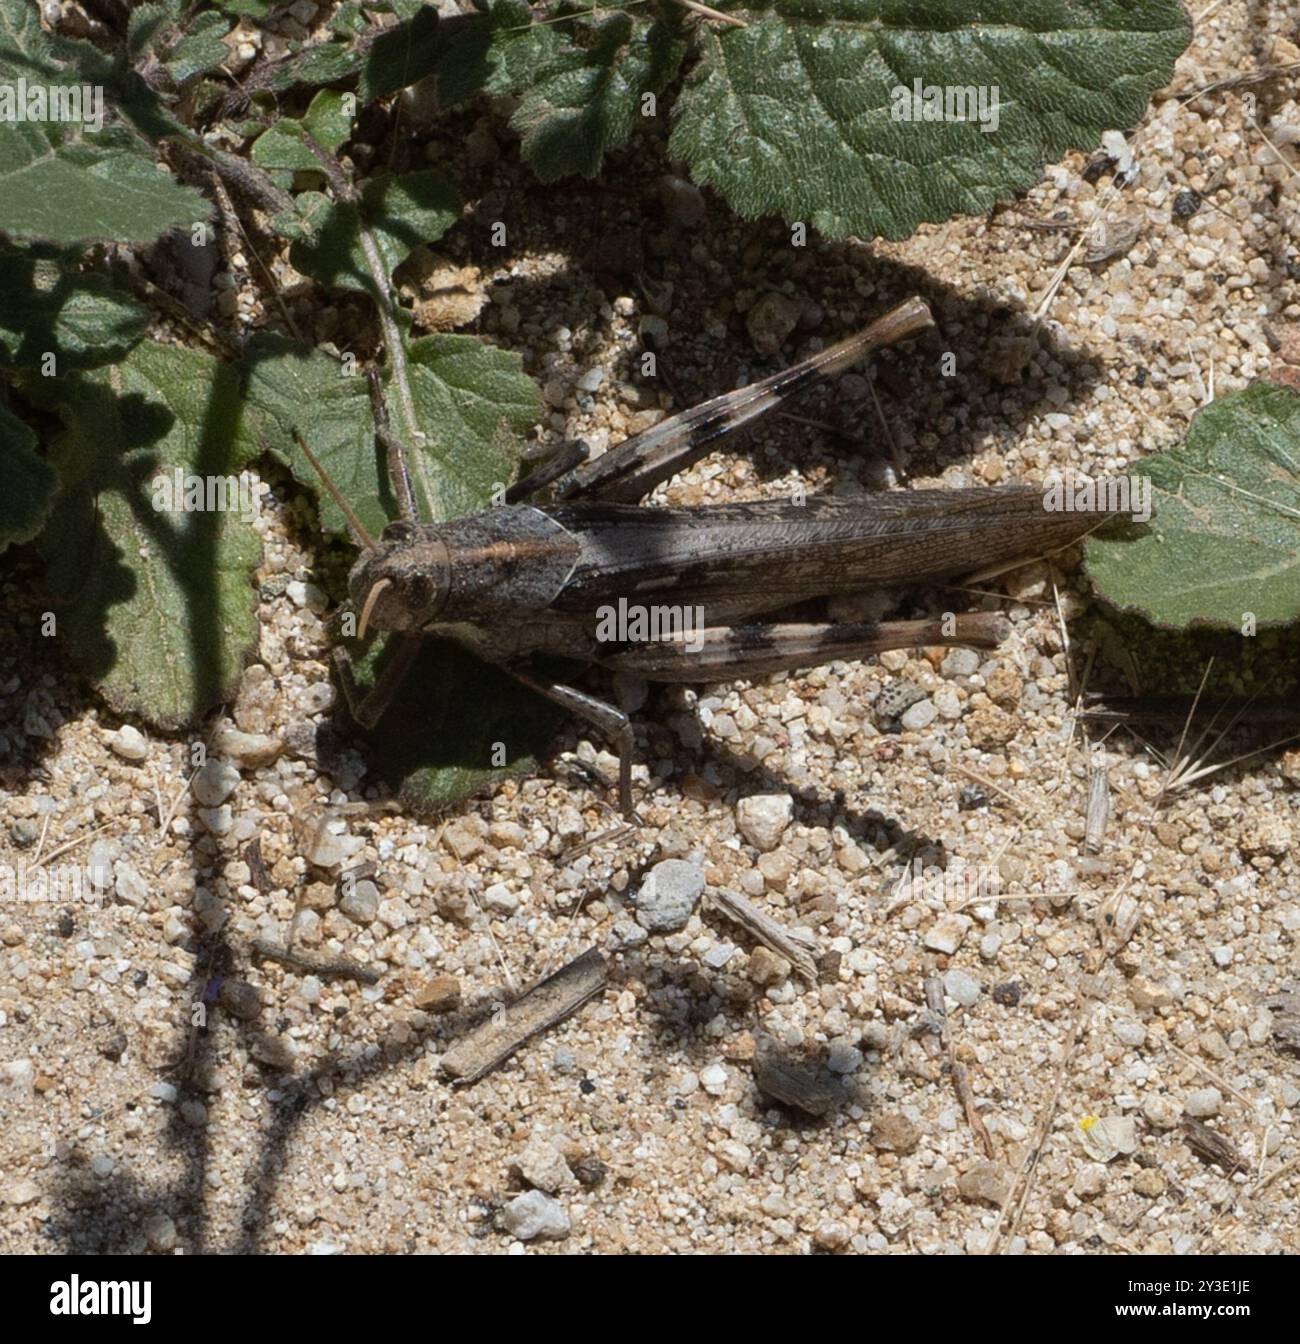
point(402, 584)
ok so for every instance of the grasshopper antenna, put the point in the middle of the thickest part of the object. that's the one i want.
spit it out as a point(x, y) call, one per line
point(359, 533)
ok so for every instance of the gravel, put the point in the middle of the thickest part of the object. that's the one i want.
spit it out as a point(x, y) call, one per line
point(129, 743)
point(1205, 1101)
point(535, 1216)
point(763, 818)
point(382, 1155)
point(215, 782)
point(668, 895)
point(947, 933)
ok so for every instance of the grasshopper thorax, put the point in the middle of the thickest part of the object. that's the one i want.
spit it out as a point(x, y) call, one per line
point(403, 583)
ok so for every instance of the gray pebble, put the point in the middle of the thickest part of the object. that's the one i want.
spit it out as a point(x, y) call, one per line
point(128, 743)
point(897, 697)
point(960, 663)
point(24, 834)
point(23, 1191)
point(668, 895)
point(985, 1183)
point(946, 933)
point(919, 715)
point(965, 989)
point(1130, 1032)
point(327, 850)
point(361, 903)
point(214, 783)
point(249, 749)
point(1204, 1101)
point(762, 818)
point(160, 1232)
point(771, 320)
point(535, 1216)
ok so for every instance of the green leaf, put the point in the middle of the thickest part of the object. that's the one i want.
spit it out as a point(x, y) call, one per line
point(1225, 539)
point(472, 47)
point(26, 49)
point(27, 482)
point(200, 49)
point(65, 181)
point(282, 147)
point(472, 401)
point(85, 191)
point(401, 212)
point(158, 606)
point(145, 26)
point(349, 19)
point(401, 55)
point(451, 718)
point(583, 97)
point(46, 306)
point(320, 63)
point(794, 113)
point(288, 386)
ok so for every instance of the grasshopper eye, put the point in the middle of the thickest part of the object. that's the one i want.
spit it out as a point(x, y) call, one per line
point(400, 531)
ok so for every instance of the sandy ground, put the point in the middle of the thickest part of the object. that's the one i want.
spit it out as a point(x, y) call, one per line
point(320, 1120)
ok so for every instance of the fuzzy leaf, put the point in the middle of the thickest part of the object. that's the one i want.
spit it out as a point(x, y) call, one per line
point(200, 49)
point(145, 26)
point(82, 191)
point(289, 386)
point(27, 482)
point(473, 47)
point(282, 146)
point(451, 718)
point(794, 113)
point(583, 85)
point(401, 211)
point(473, 402)
point(386, 60)
point(46, 306)
point(158, 606)
point(1225, 539)
point(401, 55)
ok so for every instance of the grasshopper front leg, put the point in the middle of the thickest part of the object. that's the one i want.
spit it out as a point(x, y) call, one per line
point(608, 718)
point(368, 709)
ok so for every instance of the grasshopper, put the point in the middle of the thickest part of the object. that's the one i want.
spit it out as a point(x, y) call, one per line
point(527, 578)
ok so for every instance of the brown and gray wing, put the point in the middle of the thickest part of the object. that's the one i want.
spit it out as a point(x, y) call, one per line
point(765, 555)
